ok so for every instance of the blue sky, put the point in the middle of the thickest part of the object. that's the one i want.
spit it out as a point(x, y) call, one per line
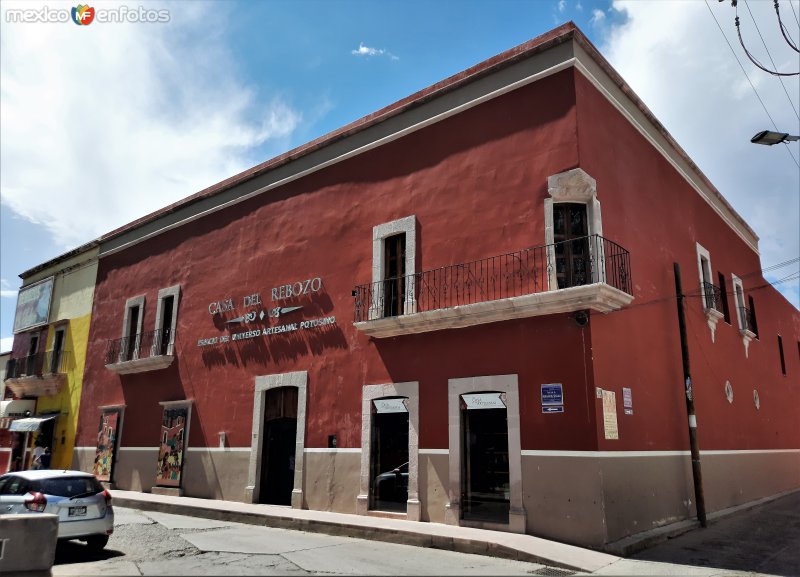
point(104, 123)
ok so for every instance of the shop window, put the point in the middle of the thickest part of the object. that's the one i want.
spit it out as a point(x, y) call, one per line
point(780, 352)
point(723, 293)
point(394, 248)
point(485, 472)
point(390, 450)
point(166, 320)
point(484, 466)
point(389, 454)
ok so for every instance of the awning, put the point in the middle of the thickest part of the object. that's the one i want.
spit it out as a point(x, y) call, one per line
point(16, 408)
point(30, 424)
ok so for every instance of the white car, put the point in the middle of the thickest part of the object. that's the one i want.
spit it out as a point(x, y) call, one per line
point(82, 504)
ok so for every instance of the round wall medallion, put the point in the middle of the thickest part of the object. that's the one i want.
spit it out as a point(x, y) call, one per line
point(756, 400)
point(728, 391)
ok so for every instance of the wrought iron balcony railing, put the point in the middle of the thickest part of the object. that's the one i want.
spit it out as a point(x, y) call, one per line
point(712, 296)
point(747, 320)
point(141, 346)
point(36, 365)
point(576, 262)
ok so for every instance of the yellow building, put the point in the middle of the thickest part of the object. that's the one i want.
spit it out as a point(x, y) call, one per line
point(51, 332)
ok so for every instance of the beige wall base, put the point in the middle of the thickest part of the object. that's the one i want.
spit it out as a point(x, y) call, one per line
point(332, 480)
point(588, 499)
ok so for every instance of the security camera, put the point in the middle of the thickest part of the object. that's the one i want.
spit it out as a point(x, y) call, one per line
point(581, 318)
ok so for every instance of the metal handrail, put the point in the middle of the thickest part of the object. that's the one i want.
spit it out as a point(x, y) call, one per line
point(746, 319)
point(37, 364)
point(712, 296)
point(526, 271)
point(142, 345)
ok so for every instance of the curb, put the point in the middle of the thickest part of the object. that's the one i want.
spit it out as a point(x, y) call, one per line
point(344, 529)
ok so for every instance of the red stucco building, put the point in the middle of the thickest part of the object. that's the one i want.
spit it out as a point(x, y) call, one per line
point(458, 309)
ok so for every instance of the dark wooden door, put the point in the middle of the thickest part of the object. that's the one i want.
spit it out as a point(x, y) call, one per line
point(278, 449)
point(573, 264)
point(394, 275)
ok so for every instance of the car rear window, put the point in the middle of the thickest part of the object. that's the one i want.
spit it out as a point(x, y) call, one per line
point(69, 486)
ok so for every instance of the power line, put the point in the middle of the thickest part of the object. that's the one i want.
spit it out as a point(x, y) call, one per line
point(774, 125)
point(752, 58)
point(793, 12)
point(791, 102)
point(783, 27)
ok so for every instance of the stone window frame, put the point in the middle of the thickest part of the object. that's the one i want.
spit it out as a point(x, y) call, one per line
point(129, 305)
point(712, 314)
point(703, 254)
point(410, 390)
point(408, 226)
point(264, 383)
point(173, 291)
point(747, 334)
point(573, 186)
point(508, 384)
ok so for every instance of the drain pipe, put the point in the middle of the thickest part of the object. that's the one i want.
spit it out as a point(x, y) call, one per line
point(697, 474)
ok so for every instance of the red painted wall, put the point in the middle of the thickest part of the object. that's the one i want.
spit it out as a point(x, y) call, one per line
point(476, 183)
point(649, 209)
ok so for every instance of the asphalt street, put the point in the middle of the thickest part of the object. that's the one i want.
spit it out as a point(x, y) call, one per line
point(764, 539)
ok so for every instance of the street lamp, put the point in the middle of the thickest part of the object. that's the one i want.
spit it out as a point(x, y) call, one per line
point(769, 138)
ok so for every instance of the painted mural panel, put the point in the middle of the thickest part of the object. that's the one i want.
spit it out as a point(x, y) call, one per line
point(106, 445)
point(170, 453)
point(33, 305)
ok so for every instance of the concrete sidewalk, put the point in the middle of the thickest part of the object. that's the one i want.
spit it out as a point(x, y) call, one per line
point(662, 559)
point(461, 539)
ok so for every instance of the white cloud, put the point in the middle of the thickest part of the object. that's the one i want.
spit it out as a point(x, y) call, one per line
point(598, 17)
point(6, 290)
point(5, 344)
point(368, 51)
point(679, 64)
point(123, 119)
point(562, 5)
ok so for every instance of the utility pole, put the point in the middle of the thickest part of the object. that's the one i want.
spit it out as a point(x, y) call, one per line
point(697, 474)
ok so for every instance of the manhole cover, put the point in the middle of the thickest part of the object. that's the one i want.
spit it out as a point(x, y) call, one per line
point(552, 572)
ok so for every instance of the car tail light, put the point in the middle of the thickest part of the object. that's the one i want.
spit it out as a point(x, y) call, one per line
point(107, 496)
point(38, 503)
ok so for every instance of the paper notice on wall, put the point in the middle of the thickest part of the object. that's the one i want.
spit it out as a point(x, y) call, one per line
point(627, 401)
point(610, 415)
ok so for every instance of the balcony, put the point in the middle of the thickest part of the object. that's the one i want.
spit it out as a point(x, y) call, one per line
point(585, 273)
point(141, 353)
point(37, 375)
point(713, 305)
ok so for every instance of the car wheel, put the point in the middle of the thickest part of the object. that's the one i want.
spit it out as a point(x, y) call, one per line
point(96, 543)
